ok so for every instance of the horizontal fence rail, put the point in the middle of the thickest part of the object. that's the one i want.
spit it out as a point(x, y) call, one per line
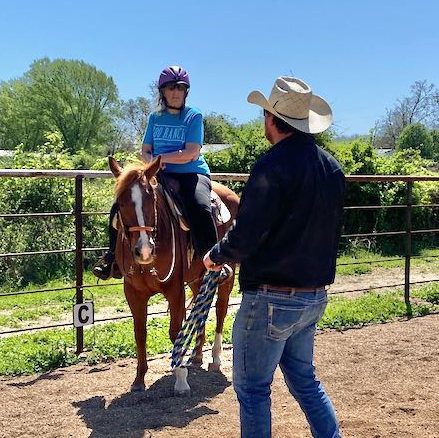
point(78, 214)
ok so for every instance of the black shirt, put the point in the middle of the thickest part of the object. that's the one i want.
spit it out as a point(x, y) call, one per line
point(289, 219)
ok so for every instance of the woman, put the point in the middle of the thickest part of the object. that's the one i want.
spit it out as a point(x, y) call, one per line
point(175, 131)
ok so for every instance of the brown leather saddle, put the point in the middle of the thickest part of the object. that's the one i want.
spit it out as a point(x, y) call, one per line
point(220, 212)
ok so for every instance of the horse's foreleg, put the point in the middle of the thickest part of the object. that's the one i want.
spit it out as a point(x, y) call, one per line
point(142, 364)
point(222, 303)
point(138, 305)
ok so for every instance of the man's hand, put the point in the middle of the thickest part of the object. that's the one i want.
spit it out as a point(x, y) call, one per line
point(210, 264)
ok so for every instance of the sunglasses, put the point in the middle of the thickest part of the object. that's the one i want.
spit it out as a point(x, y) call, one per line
point(172, 86)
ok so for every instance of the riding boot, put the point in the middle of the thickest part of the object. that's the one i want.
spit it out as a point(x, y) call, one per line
point(106, 267)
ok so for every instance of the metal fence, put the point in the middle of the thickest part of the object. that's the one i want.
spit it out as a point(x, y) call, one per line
point(79, 214)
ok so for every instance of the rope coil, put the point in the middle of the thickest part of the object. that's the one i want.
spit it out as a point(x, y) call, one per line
point(196, 320)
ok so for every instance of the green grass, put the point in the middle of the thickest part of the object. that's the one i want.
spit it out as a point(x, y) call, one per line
point(19, 316)
point(429, 293)
point(362, 263)
point(44, 351)
point(20, 309)
point(343, 313)
point(362, 258)
point(61, 298)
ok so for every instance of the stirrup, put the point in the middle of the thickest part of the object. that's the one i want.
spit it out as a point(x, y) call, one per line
point(114, 269)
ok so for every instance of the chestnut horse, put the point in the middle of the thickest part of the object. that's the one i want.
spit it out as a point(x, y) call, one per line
point(152, 254)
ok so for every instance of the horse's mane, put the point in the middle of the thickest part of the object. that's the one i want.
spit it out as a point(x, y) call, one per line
point(137, 171)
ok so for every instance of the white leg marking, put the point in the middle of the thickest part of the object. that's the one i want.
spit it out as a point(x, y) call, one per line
point(217, 348)
point(181, 386)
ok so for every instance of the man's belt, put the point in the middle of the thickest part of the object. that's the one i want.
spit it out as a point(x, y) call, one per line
point(266, 287)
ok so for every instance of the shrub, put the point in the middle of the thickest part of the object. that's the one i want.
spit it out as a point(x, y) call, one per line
point(416, 136)
point(358, 157)
point(44, 195)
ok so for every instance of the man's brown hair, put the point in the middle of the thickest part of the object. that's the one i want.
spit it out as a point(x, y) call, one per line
point(281, 126)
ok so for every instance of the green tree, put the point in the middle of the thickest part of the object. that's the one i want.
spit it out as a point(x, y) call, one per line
point(421, 106)
point(435, 138)
point(217, 128)
point(74, 96)
point(416, 136)
point(324, 139)
point(68, 96)
point(19, 121)
point(134, 117)
point(248, 144)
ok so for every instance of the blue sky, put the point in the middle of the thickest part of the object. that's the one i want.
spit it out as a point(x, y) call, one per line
point(360, 56)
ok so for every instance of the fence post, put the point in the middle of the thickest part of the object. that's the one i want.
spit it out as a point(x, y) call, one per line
point(79, 258)
point(408, 247)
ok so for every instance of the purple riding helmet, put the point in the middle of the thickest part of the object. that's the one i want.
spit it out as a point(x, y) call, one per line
point(174, 73)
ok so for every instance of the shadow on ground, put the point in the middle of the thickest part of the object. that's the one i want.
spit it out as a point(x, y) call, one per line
point(51, 375)
point(134, 414)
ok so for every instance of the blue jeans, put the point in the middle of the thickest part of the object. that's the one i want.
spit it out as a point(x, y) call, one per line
point(274, 328)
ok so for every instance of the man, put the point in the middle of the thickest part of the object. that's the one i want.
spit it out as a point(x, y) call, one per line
point(285, 237)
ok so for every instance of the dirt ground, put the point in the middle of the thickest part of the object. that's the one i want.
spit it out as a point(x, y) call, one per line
point(383, 380)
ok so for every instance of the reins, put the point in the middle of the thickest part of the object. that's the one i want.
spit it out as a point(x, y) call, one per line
point(153, 270)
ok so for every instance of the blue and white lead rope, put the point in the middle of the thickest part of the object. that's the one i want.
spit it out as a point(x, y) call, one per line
point(196, 319)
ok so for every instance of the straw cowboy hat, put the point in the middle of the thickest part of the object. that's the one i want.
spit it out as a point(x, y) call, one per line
point(292, 101)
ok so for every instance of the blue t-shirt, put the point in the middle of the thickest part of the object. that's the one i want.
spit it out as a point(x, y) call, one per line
point(168, 132)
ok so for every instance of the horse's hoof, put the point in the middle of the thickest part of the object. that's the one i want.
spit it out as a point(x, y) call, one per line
point(214, 367)
point(137, 388)
point(182, 393)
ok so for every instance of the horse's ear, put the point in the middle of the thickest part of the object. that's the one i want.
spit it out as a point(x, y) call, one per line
point(155, 166)
point(114, 166)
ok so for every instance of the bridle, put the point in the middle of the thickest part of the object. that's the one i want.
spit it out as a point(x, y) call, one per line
point(126, 230)
point(132, 229)
point(153, 230)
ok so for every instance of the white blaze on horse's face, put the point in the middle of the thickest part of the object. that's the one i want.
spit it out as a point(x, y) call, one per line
point(144, 247)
